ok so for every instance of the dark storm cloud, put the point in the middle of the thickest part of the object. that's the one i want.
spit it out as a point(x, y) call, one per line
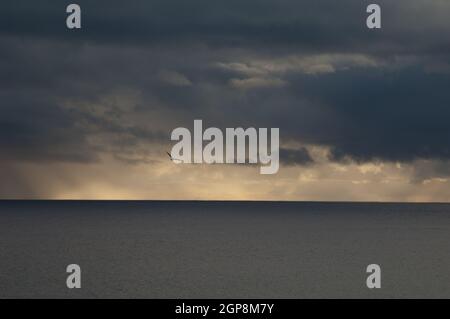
point(222, 23)
point(335, 26)
point(189, 60)
point(39, 80)
point(387, 115)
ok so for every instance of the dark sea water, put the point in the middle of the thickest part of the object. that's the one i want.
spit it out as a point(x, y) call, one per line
point(223, 249)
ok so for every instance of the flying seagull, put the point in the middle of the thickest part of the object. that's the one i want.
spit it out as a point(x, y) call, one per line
point(173, 159)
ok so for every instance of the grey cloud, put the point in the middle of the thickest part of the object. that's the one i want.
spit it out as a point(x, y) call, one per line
point(252, 83)
point(174, 78)
point(426, 170)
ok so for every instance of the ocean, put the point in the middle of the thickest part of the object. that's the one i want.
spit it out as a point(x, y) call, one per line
point(195, 249)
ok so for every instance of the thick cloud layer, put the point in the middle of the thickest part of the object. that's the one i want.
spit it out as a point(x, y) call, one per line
point(310, 25)
point(134, 72)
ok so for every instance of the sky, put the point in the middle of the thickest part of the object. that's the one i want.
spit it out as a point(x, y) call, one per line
point(363, 114)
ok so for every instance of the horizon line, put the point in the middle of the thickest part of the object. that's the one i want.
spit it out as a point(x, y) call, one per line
point(222, 201)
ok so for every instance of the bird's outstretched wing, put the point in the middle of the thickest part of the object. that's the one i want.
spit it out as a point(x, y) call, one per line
point(176, 161)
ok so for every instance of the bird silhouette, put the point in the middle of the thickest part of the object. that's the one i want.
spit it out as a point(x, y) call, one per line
point(173, 159)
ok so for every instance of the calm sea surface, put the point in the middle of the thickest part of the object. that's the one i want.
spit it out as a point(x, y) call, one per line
point(223, 249)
